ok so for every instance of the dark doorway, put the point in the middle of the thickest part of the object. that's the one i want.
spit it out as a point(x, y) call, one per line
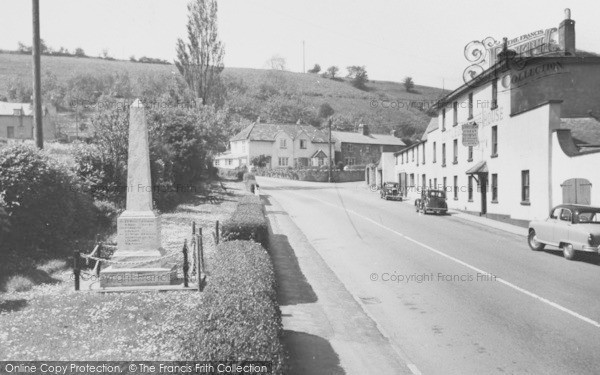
point(483, 187)
point(577, 191)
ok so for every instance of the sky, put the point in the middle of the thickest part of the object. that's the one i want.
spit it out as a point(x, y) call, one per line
point(391, 38)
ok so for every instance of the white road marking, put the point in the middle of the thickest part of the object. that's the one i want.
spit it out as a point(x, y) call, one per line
point(456, 260)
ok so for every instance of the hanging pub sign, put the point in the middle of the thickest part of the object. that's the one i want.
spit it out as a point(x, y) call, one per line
point(470, 135)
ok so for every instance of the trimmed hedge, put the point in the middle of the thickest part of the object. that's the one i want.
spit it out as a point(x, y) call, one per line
point(242, 321)
point(313, 174)
point(247, 222)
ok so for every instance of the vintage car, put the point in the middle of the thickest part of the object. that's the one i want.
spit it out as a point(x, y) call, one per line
point(390, 190)
point(570, 227)
point(432, 201)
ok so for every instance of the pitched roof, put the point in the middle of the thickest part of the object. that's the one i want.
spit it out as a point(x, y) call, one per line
point(319, 154)
point(267, 132)
point(433, 125)
point(7, 109)
point(371, 139)
point(585, 130)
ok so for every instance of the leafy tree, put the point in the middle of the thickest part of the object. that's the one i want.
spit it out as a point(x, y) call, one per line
point(132, 58)
point(200, 59)
point(79, 52)
point(332, 71)
point(277, 62)
point(261, 161)
point(22, 48)
point(408, 83)
point(358, 75)
point(18, 91)
point(325, 110)
point(316, 69)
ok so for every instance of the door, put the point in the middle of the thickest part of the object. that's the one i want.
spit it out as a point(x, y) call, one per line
point(562, 228)
point(483, 187)
point(402, 180)
point(577, 191)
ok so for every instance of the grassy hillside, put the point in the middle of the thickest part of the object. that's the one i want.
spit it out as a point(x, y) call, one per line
point(384, 105)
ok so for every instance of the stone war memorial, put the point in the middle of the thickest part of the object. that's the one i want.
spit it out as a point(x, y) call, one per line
point(139, 259)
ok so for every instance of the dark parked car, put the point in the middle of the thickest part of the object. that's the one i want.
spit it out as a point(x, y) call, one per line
point(570, 227)
point(390, 190)
point(432, 201)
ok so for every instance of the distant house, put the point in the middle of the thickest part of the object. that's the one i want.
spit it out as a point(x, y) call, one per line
point(16, 121)
point(284, 145)
point(362, 147)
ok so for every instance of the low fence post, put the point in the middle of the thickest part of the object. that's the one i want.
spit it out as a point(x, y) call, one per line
point(193, 228)
point(99, 263)
point(185, 264)
point(76, 269)
point(217, 232)
point(200, 257)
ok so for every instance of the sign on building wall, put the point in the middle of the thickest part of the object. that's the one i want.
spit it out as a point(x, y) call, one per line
point(470, 136)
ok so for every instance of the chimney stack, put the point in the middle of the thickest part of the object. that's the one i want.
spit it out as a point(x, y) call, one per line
point(363, 129)
point(566, 34)
point(393, 133)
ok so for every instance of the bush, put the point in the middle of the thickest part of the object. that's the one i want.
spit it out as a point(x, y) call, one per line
point(247, 222)
point(45, 202)
point(18, 283)
point(250, 199)
point(107, 213)
point(242, 321)
point(231, 174)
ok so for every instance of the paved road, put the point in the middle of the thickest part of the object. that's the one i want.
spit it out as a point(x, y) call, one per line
point(453, 297)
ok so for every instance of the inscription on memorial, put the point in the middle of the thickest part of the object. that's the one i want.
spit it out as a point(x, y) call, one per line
point(136, 232)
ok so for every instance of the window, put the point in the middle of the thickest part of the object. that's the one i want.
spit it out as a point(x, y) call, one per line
point(349, 161)
point(402, 158)
point(470, 188)
point(454, 113)
point(443, 154)
point(470, 153)
point(423, 153)
point(455, 188)
point(434, 152)
point(217, 162)
point(349, 147)
point(396, 158)
point(243, 146)
point(494, 188)
point(445, 185)
point(368, 148)
point(566, 215)
point(412, 179)
point(417, 156)
point(283, 162)
point(229, 161)
point(321, 161)
point(443, 119)
point(412, 154)
point(494, 141)
point(435, 185)
point(10, 132)
point(455, 161)
point(470, 106)
point(423, 181)
point(303, 144)
point(283, 143)
point(525, 187)
point(494, 94)
point(430, 183)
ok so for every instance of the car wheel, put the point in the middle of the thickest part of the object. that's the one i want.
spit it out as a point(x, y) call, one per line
point(533, 242)
point(568, 251)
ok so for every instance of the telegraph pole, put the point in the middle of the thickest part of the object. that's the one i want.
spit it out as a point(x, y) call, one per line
point(303, 58)
point(329, 125)
point(37, 80)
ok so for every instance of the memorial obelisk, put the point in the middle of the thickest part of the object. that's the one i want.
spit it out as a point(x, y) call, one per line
point(137, 260)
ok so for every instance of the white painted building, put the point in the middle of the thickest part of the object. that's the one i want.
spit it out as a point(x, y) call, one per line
point(285, 145)
point(537, 138)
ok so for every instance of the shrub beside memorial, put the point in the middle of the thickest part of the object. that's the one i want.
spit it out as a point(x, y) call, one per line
point(44, 202)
